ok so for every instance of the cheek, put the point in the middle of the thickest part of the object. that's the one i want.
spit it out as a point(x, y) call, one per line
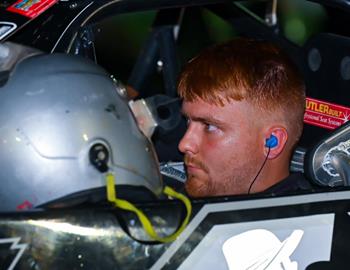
point(216, 160)
point(221, 155)
point(216, 150)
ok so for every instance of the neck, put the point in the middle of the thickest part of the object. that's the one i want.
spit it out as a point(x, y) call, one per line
point(273, 172)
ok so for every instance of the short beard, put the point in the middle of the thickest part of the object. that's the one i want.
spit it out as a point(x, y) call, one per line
point(198, 187)
point(236, 183)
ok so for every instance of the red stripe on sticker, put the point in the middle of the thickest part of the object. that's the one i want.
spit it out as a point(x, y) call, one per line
point(324, 114)
point(25, 205)
point(31, 8)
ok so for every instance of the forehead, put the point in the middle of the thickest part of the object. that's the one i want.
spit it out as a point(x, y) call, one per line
point(229, 111)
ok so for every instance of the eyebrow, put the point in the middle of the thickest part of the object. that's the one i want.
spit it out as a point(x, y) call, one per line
point(205, 119)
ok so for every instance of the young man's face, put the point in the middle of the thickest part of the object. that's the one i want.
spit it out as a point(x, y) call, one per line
point(223, 147)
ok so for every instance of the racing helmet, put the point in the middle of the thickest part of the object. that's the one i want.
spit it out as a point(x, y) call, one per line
point(64, 122)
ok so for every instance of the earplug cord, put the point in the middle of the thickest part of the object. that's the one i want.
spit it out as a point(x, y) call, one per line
point(262, 166)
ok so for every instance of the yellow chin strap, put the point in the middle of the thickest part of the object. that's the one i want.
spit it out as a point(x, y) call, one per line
point(146, 224)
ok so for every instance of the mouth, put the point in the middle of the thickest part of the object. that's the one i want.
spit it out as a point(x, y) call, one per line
point(192, 168)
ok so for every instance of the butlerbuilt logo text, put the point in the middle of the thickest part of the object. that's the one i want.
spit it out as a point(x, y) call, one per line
point(326, 115)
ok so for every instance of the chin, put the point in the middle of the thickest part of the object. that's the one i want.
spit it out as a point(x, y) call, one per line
point(195, 188)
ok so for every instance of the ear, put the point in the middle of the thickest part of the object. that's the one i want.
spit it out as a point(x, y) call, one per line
point(281, 134)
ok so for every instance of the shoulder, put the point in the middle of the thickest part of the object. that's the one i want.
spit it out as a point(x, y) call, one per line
point(295, 182)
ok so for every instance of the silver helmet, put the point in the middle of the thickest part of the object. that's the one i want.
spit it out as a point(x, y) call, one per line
point(63, 123)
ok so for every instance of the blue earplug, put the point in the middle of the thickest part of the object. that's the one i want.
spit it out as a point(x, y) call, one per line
point(271, 142)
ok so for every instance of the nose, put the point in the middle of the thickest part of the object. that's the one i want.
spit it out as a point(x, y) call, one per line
point(190, 141)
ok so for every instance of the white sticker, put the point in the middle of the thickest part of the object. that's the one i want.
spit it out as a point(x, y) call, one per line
point(6, 28)
point(268, 252)
point(287, 243)
point(15, 245)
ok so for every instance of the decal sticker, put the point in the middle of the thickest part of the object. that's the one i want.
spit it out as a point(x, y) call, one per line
point(326, 115)
point(14, 245)
point(289, 244)
point(31, 8)
point(6, 28)
point(25, 205)
point(267, 251)
point(200, 245)
point(175, 170)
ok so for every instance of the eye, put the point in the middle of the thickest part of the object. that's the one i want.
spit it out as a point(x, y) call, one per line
point(210, 127)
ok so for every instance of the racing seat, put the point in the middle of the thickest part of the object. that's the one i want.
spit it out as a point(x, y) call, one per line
point(328, 162)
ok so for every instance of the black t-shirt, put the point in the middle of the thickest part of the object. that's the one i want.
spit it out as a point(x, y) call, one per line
point(293, 183)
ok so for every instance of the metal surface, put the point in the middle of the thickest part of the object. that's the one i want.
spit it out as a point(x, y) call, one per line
point(94, 238)
point(82, 239)
point(56, 29)
point(271, 13)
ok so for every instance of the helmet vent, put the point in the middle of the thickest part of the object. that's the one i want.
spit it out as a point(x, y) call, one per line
point(99, 156)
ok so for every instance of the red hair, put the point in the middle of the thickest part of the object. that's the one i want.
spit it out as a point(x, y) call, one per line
point(244, 69)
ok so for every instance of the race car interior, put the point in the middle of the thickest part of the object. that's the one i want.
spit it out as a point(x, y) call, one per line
point(161, 56)
point(143, 45)
point(145, 48)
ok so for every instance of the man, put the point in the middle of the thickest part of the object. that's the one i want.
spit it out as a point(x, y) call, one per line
point(244, 102)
